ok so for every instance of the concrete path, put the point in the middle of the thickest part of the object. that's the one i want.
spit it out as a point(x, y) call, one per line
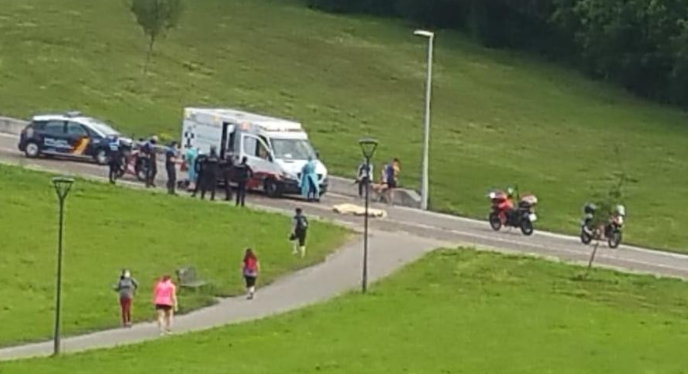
point(339, 273)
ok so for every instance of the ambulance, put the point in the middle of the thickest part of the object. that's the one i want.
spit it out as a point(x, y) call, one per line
point(276, 149)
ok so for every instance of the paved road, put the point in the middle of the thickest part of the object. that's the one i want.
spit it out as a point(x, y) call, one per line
point(451, 229)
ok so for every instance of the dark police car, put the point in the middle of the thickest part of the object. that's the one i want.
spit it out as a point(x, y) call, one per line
point(68, 135)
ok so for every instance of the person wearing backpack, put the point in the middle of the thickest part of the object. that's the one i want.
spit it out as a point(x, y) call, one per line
point(298, 236)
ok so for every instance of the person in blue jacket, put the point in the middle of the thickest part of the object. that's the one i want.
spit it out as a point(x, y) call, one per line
point(309, 181)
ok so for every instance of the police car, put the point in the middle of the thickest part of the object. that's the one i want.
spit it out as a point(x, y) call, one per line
point(68, 135)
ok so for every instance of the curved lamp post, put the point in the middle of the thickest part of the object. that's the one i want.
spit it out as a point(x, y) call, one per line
point(62, 186)
point(427, 117)
point(368, 148)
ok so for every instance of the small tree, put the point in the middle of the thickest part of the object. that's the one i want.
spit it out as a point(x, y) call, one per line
point(156, 17)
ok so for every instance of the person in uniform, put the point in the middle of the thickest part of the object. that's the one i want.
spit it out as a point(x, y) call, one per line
point(114, 159)
point(242, 174)
point(210, 174)
point(226, 171)
point(149, 148)
point(170, 161)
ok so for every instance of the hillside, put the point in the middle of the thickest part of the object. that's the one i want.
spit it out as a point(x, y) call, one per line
point(498, 118)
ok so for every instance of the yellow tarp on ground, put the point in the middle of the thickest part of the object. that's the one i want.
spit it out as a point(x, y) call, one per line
point(359, 210)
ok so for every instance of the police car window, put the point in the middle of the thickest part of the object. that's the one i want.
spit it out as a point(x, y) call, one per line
point(54, 127)
point(74, 128)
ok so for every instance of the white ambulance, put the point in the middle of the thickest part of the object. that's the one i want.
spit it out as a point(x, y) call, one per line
point(276, 149)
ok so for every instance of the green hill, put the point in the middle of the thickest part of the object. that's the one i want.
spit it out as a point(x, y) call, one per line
point(498, 118)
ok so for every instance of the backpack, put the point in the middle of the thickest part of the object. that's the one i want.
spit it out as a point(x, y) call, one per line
point(302, 222)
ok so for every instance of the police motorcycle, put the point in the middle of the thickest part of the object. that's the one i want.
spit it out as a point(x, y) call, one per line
point(503, 212)
point(609, 230)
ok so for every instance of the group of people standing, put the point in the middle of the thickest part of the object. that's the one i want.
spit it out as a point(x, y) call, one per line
point(164, 295)
point(389, 179)
point(204, 171)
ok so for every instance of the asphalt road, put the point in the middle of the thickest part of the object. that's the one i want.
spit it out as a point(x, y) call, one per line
point(441, 227)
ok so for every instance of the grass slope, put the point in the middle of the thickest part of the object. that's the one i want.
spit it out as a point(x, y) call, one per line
point(110, 228)
point(452, 312)
point(498, 118)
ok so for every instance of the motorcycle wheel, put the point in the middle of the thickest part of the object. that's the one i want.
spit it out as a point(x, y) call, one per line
point(141, 170)
point(526, 226)
point(494, 221)
point(615, 239)
point(585, 237)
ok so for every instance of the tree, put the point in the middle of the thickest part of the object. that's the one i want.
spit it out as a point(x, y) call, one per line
point(156, 17)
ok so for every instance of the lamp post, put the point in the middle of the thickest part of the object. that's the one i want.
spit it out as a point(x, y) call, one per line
point(426, 117)
point(62, 186)
point(368, 148)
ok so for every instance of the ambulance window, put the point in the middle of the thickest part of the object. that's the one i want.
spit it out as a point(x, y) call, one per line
point(262, 151)
point(249, 145)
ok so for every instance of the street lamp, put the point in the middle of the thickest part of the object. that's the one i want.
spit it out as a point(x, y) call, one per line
point(368, 148)
point(62, 186)
point(426, 118)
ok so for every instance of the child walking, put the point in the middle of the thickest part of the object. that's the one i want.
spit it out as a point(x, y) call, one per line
point(250, 272)
point(126, 286)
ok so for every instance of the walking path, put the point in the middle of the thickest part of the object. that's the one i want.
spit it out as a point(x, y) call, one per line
point(337, 274)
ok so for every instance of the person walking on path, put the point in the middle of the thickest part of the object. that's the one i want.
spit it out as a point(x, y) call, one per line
point(250, 272)
point(363, 177)
point(170, 168)
point(298, 236)
point(391, 179)
point(126, 286)
point(309, 181)
point(242, 174)
point(165, 302)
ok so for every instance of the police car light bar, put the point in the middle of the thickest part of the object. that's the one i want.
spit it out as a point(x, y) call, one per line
point(73, 113)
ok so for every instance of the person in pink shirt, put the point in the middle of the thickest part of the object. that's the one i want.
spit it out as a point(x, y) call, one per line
point(165, 301)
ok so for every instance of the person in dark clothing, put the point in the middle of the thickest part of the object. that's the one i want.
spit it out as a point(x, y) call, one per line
point(363, 176)
point(170, 160)
point(210, 174)
point(226, 166)
point(149, 148)
point(298, 236)
point(199, 166)
point(114, 159)
point(242, 174)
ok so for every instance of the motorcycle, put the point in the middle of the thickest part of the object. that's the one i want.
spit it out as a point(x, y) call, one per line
point(504, 214)
point(611, 231)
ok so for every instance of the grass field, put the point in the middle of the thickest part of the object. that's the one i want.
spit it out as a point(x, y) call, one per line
point(498, 118)
point(110, 228)
point(452, 312)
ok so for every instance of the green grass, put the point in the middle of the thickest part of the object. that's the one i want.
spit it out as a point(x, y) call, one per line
point(110, 228)
point(452, 312)
point(499, 118)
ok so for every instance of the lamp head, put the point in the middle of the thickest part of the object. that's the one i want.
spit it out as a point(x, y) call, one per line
point(62, 186)
point(424, 33)
point(368, 146)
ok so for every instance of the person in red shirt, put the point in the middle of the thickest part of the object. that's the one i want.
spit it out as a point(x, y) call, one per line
point(250, 272)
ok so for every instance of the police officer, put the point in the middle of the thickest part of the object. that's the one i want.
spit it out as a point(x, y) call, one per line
point(152, 162)
point(210, 174)
point(170, 160)
point(199, 166)
point(242, 174)
point(114, 159)
point(226, 166)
